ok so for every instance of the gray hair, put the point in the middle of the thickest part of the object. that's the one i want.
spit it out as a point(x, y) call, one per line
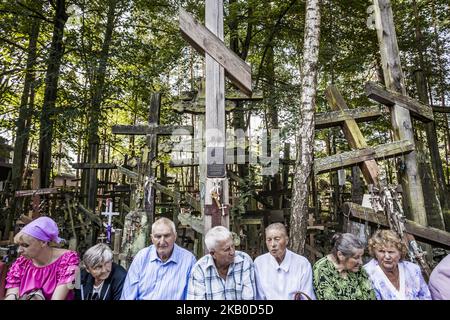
point(277, 226)
point(346, 243)
point(97, 254)
point(216, 235)
point(167, 222)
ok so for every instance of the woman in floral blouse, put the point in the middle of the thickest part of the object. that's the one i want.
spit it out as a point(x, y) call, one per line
point(392, 277)
point(339, 276)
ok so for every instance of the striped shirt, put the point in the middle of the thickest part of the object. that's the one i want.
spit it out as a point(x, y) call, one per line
point(149, 278)
point(205, 282)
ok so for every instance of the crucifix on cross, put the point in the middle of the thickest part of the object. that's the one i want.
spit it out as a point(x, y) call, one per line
point(109, 213)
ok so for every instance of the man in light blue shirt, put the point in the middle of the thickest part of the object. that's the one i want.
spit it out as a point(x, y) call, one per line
point(281, 273)
point(224, 273)
point(160, 271)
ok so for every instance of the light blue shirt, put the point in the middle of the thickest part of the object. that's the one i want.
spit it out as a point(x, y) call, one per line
point(282, 281)
point(149, 278)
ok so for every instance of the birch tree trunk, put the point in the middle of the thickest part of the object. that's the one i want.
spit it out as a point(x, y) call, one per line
point(305, 134)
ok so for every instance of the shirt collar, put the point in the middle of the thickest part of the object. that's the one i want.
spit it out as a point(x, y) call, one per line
point(284, 264)
point(174, 257)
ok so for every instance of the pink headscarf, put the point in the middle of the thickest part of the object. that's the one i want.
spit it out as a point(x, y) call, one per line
point(43, 228)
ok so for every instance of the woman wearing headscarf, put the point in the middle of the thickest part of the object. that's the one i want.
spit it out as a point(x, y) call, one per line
point(392, 277)
point(339, 276)
point(42, 272)
point(102, 279)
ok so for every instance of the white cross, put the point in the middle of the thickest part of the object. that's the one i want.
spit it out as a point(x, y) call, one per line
point(109, 212)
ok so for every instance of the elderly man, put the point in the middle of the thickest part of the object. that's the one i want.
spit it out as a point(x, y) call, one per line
point(281, 273)
point(160, 271)
point(224, 273)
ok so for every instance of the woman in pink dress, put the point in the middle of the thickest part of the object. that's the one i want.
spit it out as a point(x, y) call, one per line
point(42, 272)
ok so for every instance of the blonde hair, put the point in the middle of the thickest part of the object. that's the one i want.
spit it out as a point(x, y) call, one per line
point(19, 237)
point(382, 238)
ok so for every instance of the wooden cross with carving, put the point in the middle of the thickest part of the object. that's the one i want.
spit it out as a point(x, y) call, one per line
point(208, 40)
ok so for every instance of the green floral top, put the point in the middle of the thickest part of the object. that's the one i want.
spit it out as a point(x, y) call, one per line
point(329, 285)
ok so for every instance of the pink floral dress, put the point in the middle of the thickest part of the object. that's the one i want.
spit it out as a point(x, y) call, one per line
point(24, 275)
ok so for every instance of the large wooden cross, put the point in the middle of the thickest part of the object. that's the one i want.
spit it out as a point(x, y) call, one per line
point(219, 60)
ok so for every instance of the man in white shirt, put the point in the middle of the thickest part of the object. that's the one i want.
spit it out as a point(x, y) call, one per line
point(280, 273)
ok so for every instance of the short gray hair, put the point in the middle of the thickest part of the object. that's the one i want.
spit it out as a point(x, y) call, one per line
point(167, 222)
point(346, 243)
point(215, 235)
point(97, 254)
point(277, 226)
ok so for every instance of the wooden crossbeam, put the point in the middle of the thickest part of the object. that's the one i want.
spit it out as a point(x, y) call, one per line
point(336, 118)
point(96, 166)
point(37, 192)
point(234, 96)
point(353, 134)
point(441, 109)
point(173, 194)
point(192, 162)
point(425, 234)
point(203, 40)
point(128, 173)
point(192, 201)
point(162, 130)
point(198, 107)
point(196, 223)
point(390, 98)
point(350, 158)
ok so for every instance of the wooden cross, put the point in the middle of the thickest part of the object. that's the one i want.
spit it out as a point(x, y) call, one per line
point(219, 59)
point(152, 131)
point(401, 108)
point(353, 134)
point(109, 213)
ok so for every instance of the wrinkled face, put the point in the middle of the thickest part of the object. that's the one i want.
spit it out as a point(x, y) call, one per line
point(101, 271)
point(223, 254)
point(354, 262)
point(30, 247)
point(163, 238)
point(388, 256)
point(276, 241)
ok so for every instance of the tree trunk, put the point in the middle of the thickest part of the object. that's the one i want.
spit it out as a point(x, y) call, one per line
point(23, 123)
point(441, 92)
point(305, 134)
point(435, 215)
point(51, 86)
point(95, 108)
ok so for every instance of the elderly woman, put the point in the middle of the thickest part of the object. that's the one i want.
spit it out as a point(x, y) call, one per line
point(339, 276)
point(42, 272)
point(102, 279)
point(393, 278)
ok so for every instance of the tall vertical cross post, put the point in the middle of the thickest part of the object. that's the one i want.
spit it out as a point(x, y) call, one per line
point(400, 115)
point(219, 60)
